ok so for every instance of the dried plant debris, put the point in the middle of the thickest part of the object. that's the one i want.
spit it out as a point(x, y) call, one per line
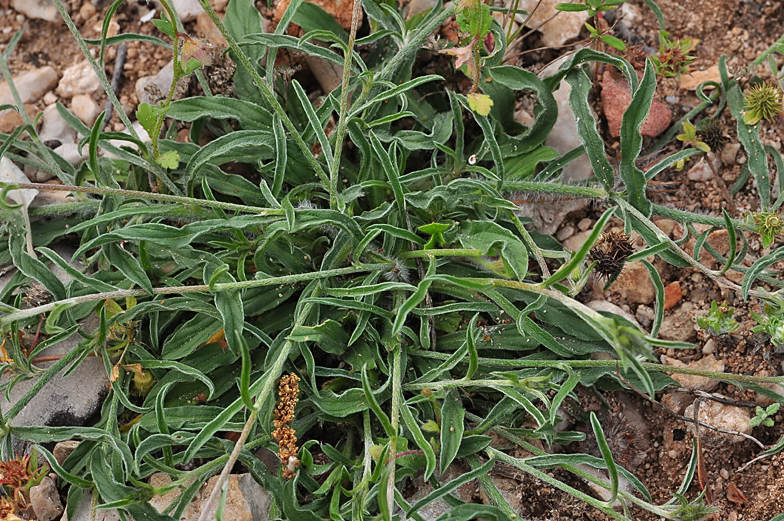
point(288, 388)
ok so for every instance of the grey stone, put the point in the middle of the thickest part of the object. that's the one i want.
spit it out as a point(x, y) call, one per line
point(85, 108)
point(645, 315)
point(40, 9)
point(64, 449)
point(83, 511)
point(31, 85)
point(186, 9)
point(246, 500)
point(414, 7)
point(563, 136)
point(609, 307)
point(564, 233)
point(63, 401)
point(702, 171)
point(464, 492)
point(729, 153)
point(45, 500)
point(679, 325)
point(564, 27)
point(78, 79)
point(547, 215)
point(35, 175)
point(153, 89)
point(55, 128)
point(721, 416)
point(10, 173)
point(70, 152)
point(143, 135)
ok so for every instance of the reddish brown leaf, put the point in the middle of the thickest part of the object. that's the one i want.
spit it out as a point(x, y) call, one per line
point(735, 495)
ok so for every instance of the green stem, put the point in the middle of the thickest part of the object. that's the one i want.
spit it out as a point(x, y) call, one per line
point(397, 399)
point(59, 210)
point(773, 48)
point(447, 252)
point(572, 364)
point(529, 241)
point(270, 377)
point(522, 465)
point(159, 172)
point(151, 196)
point(45, 152)
point(340, 132)
point(414, 43)
point(685, 217)
point(721, 281)
point(204, 288)
point(266, 91)
point(554, 189)
point(176, 70)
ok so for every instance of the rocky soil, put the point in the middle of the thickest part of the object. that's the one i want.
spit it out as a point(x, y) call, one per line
point(648, 438)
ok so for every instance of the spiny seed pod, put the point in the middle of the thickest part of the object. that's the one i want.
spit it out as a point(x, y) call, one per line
point(610, 254)
point(711, 132)
point(762, 101)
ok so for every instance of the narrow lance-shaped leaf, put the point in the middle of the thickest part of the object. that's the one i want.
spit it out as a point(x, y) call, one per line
point(452, 427)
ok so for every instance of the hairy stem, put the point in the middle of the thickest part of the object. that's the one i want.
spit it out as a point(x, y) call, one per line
point(45, 152)
point(159, 172)
point(554, 189)
point(202, 288)
point(340, 132)
point(176, 70)
point(270, 377)
point(151, 196)
point(266, 91)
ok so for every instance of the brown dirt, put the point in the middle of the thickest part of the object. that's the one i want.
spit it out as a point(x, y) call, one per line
point(741, 29)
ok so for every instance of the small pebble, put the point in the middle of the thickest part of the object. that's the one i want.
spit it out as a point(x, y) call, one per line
point(564, 233)
point(45, 500)
point(672, 294)
point(584, 224)
point(85, 108)
point(671, 99)
point(87, 10)
point(645, 315)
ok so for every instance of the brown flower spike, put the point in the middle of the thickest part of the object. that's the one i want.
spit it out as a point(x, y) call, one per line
point(288, 388)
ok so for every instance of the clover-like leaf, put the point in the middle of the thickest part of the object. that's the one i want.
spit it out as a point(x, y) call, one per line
point(168, 159)
point(480, 103)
